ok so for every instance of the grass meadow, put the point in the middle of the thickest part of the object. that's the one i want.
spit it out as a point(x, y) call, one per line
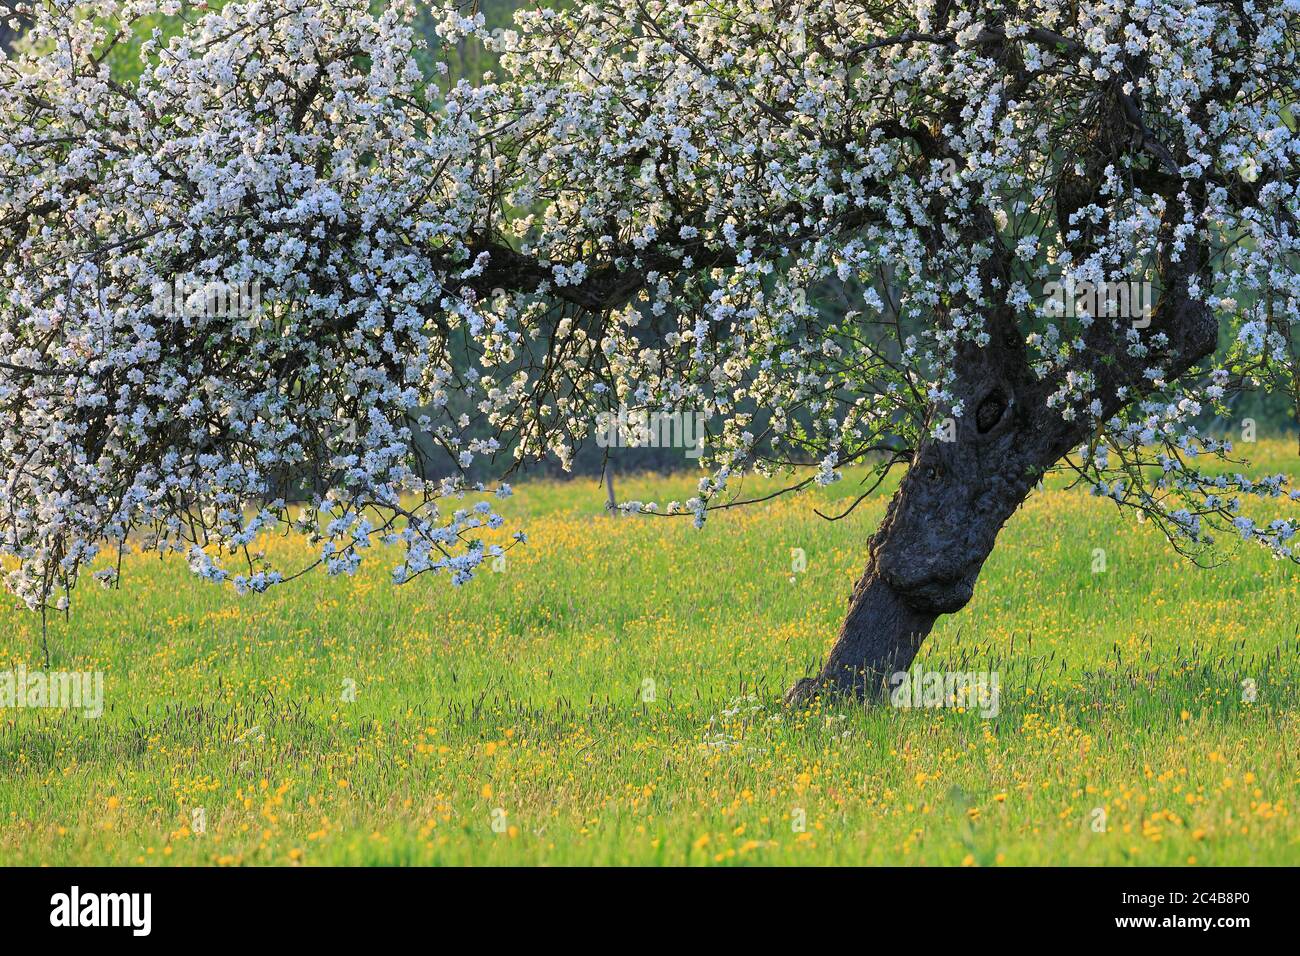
point(613, 696)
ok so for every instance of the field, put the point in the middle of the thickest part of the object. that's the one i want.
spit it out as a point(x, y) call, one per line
point(613, 696)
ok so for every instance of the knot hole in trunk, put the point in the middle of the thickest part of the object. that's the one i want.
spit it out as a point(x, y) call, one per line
point(990, 410)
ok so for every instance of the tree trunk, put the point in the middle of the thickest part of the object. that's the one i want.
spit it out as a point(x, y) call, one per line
point(879, 637)
point(924, 559)
point(942, 522)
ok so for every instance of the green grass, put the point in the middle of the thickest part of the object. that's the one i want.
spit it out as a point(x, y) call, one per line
point(523, 693)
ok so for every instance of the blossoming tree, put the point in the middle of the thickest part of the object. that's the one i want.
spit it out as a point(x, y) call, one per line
point(642, 208)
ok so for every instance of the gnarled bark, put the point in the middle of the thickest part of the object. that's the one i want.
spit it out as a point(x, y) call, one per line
point(943, 521)
point(938, 530)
